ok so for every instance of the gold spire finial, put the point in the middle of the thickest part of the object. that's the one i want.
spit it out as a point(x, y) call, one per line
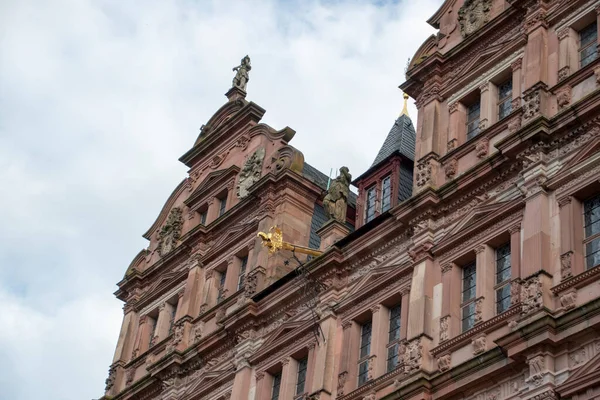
point(405, 109)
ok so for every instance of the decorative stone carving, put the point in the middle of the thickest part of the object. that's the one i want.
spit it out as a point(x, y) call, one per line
point(451, 168)
point(578, 357)
point(478, 344)
point(537, 366)
point(129, 376)
point(177, 336)
point(531, 295)
point(413, 356)
point(483, 124)
point(424, 174)
point(512, 324)
point(170, 232)
point(250, 173)
point(371, 367)
point(452, 108)
point(443, 362)
point(514, 124)
point(516, 103)
point(336, 200)
point(482, 148)
point(563, 97)
point(479, 310)
point(563, 33)
point(447, 267)
point(110, 381)
point(517, 64)
point(370, 396)
point(565, 265)
point(444, 328)
point(597, 74)
point(532, 104)
point(341, 383)
point(451, 145)
point(564, 73)
point(569, 300)
point(515, 292)
point(197, 332)
point(473, 15)
point(242, 76)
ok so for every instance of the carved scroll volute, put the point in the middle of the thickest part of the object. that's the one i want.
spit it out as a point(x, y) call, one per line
point(287, 158)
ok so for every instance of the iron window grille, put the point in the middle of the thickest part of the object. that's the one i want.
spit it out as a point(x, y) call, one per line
point(468, 296)
point(588, 44)
point(503, 275)
point(591, 222)
point(365, 351)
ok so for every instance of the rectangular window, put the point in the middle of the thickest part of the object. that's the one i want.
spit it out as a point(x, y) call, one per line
point(503, 275)
point(393, 336)
point(386, 194)
point(504, 99)
point(203, 217)
point(276, 386)
point(468, 296)
point(365, 351)
point(222, 278)
point(302, 365)
point(473, 113)
point(222, 205)
point(591, 222)
point(152, 329)
point(371, 199)
point(242, 274)
point(588, 44)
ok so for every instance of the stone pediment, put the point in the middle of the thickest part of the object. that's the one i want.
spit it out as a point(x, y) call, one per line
point(584, 377)
point(139, 259)
point(590, 148)
point(282, 331)
point(230, 234)
point(202, 379)
point(220, 118)
point(213, 181)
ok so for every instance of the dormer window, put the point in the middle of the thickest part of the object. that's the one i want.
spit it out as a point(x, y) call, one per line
point(386, 194)
point(371, 201)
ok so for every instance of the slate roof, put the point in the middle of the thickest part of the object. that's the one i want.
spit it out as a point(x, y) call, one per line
point(320, 179)
point(400, 139)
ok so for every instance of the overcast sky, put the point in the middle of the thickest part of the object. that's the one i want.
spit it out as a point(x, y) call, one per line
point(99, 98)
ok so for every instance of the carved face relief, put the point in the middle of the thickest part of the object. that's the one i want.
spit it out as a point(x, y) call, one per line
point(473, 15)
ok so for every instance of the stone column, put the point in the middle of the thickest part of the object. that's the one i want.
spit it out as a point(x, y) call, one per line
point(213, 210)
point(344, 361)
point(311, 367)
point(571, 237)
point(126, 337)
point(165, 311)
point(486, 272)
point(190, 304)
point(536, 49)
point(142, 338)
point(404, 312)
point(233, 267)
point(451, 313)
point(288, 378)
point(486, 106)
point(536, 234)
point(231, 197)
point(380, 319)
point(421, 294)
point(457, 125)
point(322, 378)
point(241, 382)
point(567, 46)
point(350, 351)
point(517, 71)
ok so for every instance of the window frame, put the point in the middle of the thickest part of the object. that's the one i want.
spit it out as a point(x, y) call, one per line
point(583, 47)
point(393, 341)
point(504, 283)
point(589, 240)
point(203, 216)
point(368, 205)
point(276, 382)
point(221, 287)
point(471, 133)
point(363, 360)
point(242, 272)
point(302, 367)
point(470, 302)
point(222, 206)
point(388, 179)
point(506, 100)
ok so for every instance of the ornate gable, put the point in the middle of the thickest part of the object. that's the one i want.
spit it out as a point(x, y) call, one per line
point(473, 15)
point(584, 378)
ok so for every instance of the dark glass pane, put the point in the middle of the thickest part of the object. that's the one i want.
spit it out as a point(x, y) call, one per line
point(203, 218)
point(502, 304)
point(468, 320)
point(365, 341)
point(392, 358)
point(592, 253)
point(394, 331)
point(503, 263)
point(588, 55)
point(505, 90)
point(473, 129)
point(363, 372)
point(276, 386)
point(469, 282)
point(591, 216)
point(504, 109)
point(371, 204)
point(302, 364)
point(589, 34)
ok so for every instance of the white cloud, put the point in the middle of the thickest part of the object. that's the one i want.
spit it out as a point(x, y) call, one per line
point(99, 98)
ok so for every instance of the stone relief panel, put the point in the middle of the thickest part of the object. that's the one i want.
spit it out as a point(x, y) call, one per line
point(250, 173)
point(473, 15)
point(170, 232)
point(504, 390)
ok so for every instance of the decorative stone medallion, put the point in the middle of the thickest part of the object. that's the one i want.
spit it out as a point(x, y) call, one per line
point(170, 232)
point(473, 15)
point(250, 173)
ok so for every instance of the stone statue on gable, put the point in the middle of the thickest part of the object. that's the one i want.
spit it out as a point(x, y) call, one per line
point(336, 200)
point(241, 78)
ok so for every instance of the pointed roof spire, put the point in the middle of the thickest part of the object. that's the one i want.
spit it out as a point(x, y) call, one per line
point(405, 109)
